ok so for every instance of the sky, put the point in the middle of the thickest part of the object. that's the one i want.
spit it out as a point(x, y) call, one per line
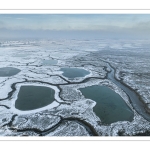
point(74, 26)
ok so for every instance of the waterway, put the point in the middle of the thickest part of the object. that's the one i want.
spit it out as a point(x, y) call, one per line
point(133, 96)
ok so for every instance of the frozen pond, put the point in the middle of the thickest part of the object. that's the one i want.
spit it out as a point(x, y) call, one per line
point(8, 71)
point(34, 97)
point(43, 99)
point(21, 55)
point(49, 62)
point(74, 72)
point(110, 107)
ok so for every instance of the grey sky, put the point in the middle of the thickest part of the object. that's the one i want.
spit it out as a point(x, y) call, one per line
point(74, 25)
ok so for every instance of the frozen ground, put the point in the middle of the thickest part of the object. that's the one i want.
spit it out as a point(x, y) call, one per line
point(71, 114)
point(132, 66)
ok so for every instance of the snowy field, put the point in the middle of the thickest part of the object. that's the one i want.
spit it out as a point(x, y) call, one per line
point(71, 114)
point(132, 66)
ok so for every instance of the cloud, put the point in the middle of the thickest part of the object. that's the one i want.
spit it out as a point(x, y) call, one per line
point(20, 18)
point(2, 24)
point(143, 25)
point(91, 25)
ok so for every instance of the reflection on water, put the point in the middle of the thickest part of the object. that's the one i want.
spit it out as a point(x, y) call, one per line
point(33, 97)
point(110, 107)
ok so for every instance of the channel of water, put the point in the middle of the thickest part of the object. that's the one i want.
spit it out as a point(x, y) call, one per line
point(133, 96)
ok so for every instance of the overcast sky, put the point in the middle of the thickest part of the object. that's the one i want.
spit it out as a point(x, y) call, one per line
point(74, 25)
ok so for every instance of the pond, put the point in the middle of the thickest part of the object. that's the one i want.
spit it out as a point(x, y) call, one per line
point(74, 72)
point(8, 71)
point(110, 107)
point(49, 62)
point(34, 97)
point(21, 55)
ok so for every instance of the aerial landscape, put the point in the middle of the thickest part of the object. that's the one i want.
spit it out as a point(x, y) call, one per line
point(74, 75)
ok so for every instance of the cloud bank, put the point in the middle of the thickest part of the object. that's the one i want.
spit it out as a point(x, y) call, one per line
point(74, 26)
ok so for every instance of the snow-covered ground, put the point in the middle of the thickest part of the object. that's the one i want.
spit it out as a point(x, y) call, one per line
point(130, 58)
point(132, 66)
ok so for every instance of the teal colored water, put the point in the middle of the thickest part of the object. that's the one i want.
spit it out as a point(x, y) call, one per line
point(8, 71)
point(74, 72)
point(110, 107)
point(34, 97)
point(49, 62)
point(21, 55)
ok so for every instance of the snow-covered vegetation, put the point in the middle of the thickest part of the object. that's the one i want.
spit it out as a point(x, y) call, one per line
point(71, 114)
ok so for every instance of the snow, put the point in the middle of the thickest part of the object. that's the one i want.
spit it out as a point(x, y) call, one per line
point(5, 87)
point(50, 106)
point(130, 58)
point(69, 129)
point(39, 121)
